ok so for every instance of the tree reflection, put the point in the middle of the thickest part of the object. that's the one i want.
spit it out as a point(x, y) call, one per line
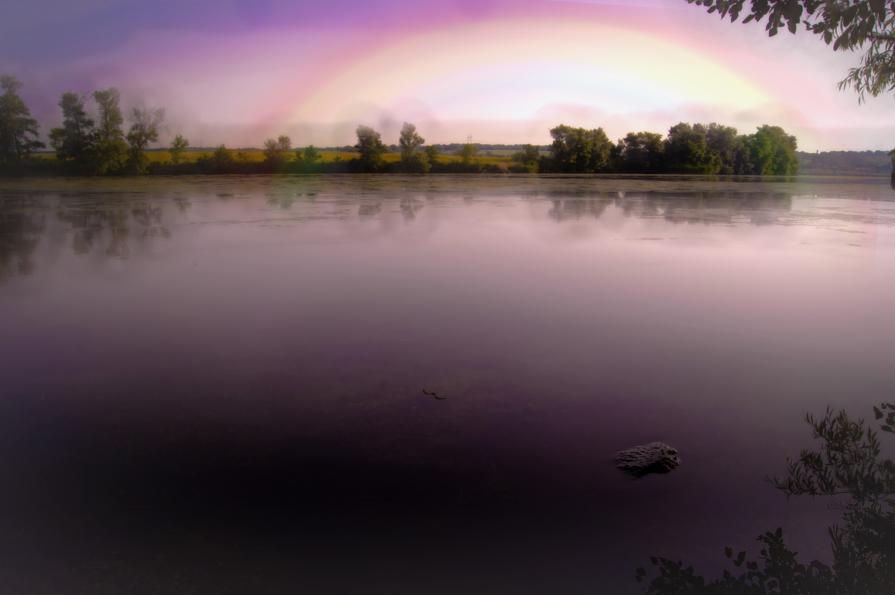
point(848, 463)
point(21, 227)
point(110, 225)
point(684, 207)
point(577, 208)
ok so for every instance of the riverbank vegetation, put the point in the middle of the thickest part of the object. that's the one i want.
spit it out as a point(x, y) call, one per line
point(95, 138)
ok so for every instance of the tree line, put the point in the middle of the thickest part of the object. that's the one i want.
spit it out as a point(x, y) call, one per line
point(95, 142)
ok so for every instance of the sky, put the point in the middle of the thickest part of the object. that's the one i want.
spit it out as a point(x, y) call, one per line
point(498, 71)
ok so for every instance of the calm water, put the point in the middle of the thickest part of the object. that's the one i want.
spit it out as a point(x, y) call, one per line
point(213, 385)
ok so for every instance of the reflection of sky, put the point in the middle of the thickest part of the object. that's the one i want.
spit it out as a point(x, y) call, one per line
point(236, 70)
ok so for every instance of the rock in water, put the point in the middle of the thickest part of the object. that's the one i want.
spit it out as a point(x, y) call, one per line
point(655, 457)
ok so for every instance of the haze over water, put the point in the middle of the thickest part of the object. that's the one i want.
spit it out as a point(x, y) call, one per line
point(215, 384)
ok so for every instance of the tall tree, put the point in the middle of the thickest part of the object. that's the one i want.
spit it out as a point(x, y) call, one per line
point(110, 151)
point(72, 142)
point(866, 26)
point(143, 131)
point(413, 159)
point(18, 130)
point(369, 145)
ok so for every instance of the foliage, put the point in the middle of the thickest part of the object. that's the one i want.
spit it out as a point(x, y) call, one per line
point(528, 159)
point(433, 156)
point(641, 152)
point(276, 151)
point(772, 152)
point(220, 161)
point(848, 463)
point(73, 140)
point(109, 151)
point(371, 149)
point(852, 25)
point(579, 150)
point(468, 154)
point(687, 151)
point(309, 156)
point(18, 130)
point(413, 158)
point(143, 131)
point(177, 148)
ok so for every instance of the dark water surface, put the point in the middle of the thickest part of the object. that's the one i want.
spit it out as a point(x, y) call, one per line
point(214, 385)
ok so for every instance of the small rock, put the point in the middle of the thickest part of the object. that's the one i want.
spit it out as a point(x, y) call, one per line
point(655, 457)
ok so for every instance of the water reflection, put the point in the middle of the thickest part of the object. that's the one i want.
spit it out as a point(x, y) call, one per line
point(22, 223)
point(217, 383)
point(109, 222)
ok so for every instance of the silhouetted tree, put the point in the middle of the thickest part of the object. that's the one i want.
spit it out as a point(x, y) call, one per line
point(72, 142)
point(370, 147)
point(18, 130)
point(143, 131)
point(852, 25)
point(177, 148)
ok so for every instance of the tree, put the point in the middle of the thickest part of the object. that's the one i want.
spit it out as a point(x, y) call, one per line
point(310, 155)
point(369, 145)
point(579, 150)
point(18, 130)
point(110, 150)
point(413, 159)
point(72, 142)
point(142, 132)
point(432, 155)
point(686, 150)
point(641, 152)
point(177, 148)
point(772, 152)
point(467, 155)
point(221, 161)
point(528, 158)
point(275, 150)
point(852, 25)
point(848, 463)
point(721, 142)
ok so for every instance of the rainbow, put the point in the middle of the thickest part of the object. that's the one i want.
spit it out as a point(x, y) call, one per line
point(516, 69)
